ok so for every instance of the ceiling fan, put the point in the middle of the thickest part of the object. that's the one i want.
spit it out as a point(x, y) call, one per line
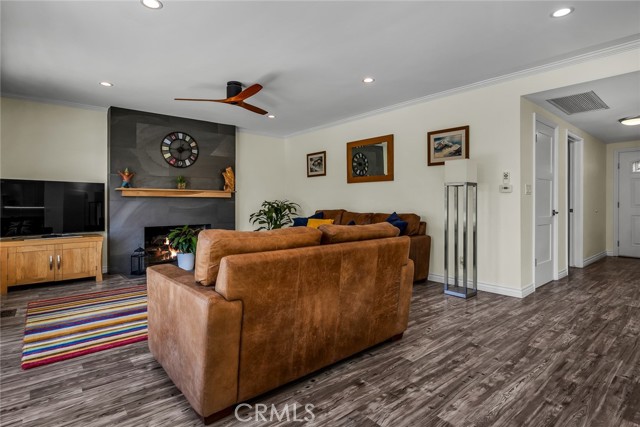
point(235, 96)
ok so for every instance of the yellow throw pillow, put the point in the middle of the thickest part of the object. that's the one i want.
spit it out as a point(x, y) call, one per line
point(315, 223)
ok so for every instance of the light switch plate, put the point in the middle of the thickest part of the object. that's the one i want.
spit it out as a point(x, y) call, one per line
point(505, 188)
point(527, 189)
point(506, 177)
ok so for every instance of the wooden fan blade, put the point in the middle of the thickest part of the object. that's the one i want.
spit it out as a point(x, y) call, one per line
point(251, 108)
point(198, 99)
point(250, 91)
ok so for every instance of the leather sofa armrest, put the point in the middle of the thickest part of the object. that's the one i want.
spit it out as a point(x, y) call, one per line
point(420, 253)
point(423, 228)
point(194, 333)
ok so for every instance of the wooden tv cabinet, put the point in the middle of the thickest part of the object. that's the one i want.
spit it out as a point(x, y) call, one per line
point(37, 260)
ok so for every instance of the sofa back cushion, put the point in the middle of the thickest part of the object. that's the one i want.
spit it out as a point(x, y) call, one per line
point(213, 245)
point(357, 217)
point(413, 221)
point(334, 214)
point(354, 233)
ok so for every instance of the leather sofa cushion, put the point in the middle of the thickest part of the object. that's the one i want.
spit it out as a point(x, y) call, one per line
point(413, 221)
point(359, 218)
point(334, 214)
point(213, 245)
point(332, 233)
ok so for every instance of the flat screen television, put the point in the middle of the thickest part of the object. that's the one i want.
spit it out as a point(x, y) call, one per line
point(50, 208)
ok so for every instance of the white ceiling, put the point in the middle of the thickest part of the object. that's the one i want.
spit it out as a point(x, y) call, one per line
point(310, 55)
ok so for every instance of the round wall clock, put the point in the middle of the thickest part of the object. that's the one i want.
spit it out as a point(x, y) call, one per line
point(179, 149)
point(360, 164)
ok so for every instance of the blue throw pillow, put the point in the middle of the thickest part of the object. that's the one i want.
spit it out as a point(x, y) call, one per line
point(302, 222)
point(396, 221)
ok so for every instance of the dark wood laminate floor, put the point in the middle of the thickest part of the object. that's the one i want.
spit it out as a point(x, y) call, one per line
point(568, 355)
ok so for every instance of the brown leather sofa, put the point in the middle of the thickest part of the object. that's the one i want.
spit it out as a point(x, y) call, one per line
point(263, 309)
point(420, 249)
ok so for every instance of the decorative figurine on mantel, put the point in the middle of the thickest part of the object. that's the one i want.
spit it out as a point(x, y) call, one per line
point(229, 180)
point(126, 178)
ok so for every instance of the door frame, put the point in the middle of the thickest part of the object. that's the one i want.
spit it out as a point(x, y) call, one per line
point(577, 243)
point(554, 246)
point(616, 196)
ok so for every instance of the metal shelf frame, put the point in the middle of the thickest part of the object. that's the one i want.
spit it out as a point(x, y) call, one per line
point(461, 288)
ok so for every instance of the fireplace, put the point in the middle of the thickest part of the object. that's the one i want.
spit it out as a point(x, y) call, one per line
point(156, 245)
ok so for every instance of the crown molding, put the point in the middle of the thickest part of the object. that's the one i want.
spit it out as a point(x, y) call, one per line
point(53, 101)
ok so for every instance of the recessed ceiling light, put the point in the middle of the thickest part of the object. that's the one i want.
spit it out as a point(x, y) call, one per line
point(271, 116)
point(368, 80)
point(562, 12)
point(107, 84)
point(152, 4)
point(630, 121)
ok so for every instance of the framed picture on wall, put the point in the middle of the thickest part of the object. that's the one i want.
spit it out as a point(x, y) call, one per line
point(447, 144)
point(317, 164)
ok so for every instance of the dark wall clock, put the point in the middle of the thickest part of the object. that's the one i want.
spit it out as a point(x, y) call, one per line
point(360, 164)
point(179, 149)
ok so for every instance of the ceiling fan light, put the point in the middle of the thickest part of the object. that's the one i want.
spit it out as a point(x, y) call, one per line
point(106, 84)
point(271, 116)
point(152, 4)
point(368, 80)
point(562, 12)
point(630, 121)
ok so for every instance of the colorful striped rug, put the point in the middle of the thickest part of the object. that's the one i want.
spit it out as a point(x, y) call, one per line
point(63, 328)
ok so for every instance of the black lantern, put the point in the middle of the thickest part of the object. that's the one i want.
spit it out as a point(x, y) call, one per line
point(137, 262)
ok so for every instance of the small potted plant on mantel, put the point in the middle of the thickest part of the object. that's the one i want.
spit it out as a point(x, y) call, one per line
point(184, 241)
point(182, 182)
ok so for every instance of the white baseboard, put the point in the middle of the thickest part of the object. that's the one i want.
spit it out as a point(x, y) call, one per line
point(610, 253)
point(594, 258)
point(488, 287)
point(563, 273)
point(528, 290)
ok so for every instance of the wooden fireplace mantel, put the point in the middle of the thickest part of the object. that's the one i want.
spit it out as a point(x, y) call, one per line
point(169, 192)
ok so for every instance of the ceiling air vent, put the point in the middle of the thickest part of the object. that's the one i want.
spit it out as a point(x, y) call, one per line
point(579, 103)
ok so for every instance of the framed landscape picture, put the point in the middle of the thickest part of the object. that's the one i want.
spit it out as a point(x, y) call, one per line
point(447, 144)
point(316, 164)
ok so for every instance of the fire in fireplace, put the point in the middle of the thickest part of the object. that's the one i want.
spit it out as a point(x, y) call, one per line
point(156, 244)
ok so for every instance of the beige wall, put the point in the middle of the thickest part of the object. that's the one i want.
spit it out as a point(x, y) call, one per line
point(498, 143)
point(610, 173)
point(53, 142)
point(260, 174)
point(270, 168)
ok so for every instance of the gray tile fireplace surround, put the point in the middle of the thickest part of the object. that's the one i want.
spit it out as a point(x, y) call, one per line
point(134, 143)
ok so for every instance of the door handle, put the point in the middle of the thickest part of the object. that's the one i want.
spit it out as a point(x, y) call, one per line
point(58, 262)
point(50, 262)
point(554, 212)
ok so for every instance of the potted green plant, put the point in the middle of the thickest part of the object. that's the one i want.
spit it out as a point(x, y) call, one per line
point(182, 182)
point(274, 214)
point(184, 240)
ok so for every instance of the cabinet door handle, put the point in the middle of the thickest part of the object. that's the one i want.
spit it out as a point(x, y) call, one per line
point(50, 262)
point(58, 262)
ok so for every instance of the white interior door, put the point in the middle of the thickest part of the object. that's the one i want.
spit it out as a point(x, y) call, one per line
point(544, 212)
point(629, 199)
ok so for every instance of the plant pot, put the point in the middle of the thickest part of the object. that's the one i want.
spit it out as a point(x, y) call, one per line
point(186, 261)
point(182, 185)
